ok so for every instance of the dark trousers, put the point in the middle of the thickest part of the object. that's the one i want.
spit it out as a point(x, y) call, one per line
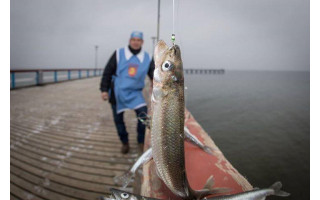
point(121, 127)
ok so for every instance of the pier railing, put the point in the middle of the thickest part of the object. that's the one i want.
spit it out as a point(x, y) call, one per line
point(29, 77)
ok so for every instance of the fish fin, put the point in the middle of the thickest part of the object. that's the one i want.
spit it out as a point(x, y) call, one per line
point(157, 172)
point(277, 190)
point(208, 190)
point(209, 183)
point(124, 179)
point(207, 150)
point(194, 140)
point(200, 194)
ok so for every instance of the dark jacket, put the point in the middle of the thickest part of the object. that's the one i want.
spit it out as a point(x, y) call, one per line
point(110, 70)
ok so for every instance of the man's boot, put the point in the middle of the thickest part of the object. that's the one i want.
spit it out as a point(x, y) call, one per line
point(125, 148)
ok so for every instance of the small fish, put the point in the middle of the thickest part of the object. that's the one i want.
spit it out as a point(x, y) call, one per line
point(126, 178)
point(167, 130)
point(258, 194)
point(123, 195)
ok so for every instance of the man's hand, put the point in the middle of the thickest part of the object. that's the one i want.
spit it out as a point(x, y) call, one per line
point(104, 96)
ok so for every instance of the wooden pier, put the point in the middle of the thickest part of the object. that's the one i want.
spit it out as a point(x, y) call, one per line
point(63, 142)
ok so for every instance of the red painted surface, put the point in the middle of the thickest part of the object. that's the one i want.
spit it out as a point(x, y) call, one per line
point(199, 165)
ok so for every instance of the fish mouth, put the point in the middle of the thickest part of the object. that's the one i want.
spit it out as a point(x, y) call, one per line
point(175, 51)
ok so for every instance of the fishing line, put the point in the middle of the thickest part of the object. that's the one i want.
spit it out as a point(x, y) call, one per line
point(175, 13)
point(173, 36)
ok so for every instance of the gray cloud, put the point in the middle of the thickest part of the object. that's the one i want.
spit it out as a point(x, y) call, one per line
point(231, 34)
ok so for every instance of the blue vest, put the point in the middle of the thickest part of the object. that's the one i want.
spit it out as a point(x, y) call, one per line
point(129, 79)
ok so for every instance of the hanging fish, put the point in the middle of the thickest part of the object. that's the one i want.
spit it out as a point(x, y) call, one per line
point(167, 130)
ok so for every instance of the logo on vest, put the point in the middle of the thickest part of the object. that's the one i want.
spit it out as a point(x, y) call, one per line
point(132, 71)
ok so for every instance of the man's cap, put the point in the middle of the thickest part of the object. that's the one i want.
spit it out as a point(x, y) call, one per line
point(137, 34)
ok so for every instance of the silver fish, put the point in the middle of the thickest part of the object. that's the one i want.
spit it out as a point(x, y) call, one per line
point(127, 177)
point(123, 195)
point(167, 131)
point(258, 194)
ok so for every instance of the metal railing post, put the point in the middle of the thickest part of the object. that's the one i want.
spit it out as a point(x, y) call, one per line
point(79, 74)
point(95, 72)
point(69, 74)
point(55, 76)
point(39, 78)
point(13, 81)
point(87, 73)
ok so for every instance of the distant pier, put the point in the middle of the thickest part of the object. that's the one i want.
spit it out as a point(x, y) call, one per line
point(30, 77)
point(204, 71)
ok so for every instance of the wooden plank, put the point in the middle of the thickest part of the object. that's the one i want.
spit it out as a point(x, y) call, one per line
point(76, 149)
point(56, 160)
point(50, 189)
point(46, 169)
point(96, 135)
point(19, 193)
point(70, 146)
point(60, 139)
point(13, 196)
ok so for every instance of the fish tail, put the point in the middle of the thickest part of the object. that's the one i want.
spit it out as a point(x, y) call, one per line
point(124, 179)
point(208, 150)
point(208, 190)
point(209, 183)
point(277, 190)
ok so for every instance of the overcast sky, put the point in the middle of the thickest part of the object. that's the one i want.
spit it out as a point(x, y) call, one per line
point(229, 34)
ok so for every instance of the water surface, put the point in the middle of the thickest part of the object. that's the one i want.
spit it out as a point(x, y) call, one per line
point(261, 122)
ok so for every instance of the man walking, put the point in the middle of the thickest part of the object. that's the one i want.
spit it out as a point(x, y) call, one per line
point(122, 84)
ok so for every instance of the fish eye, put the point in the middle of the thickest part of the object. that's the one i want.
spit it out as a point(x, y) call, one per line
point(124, 195)
point(167, 66)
